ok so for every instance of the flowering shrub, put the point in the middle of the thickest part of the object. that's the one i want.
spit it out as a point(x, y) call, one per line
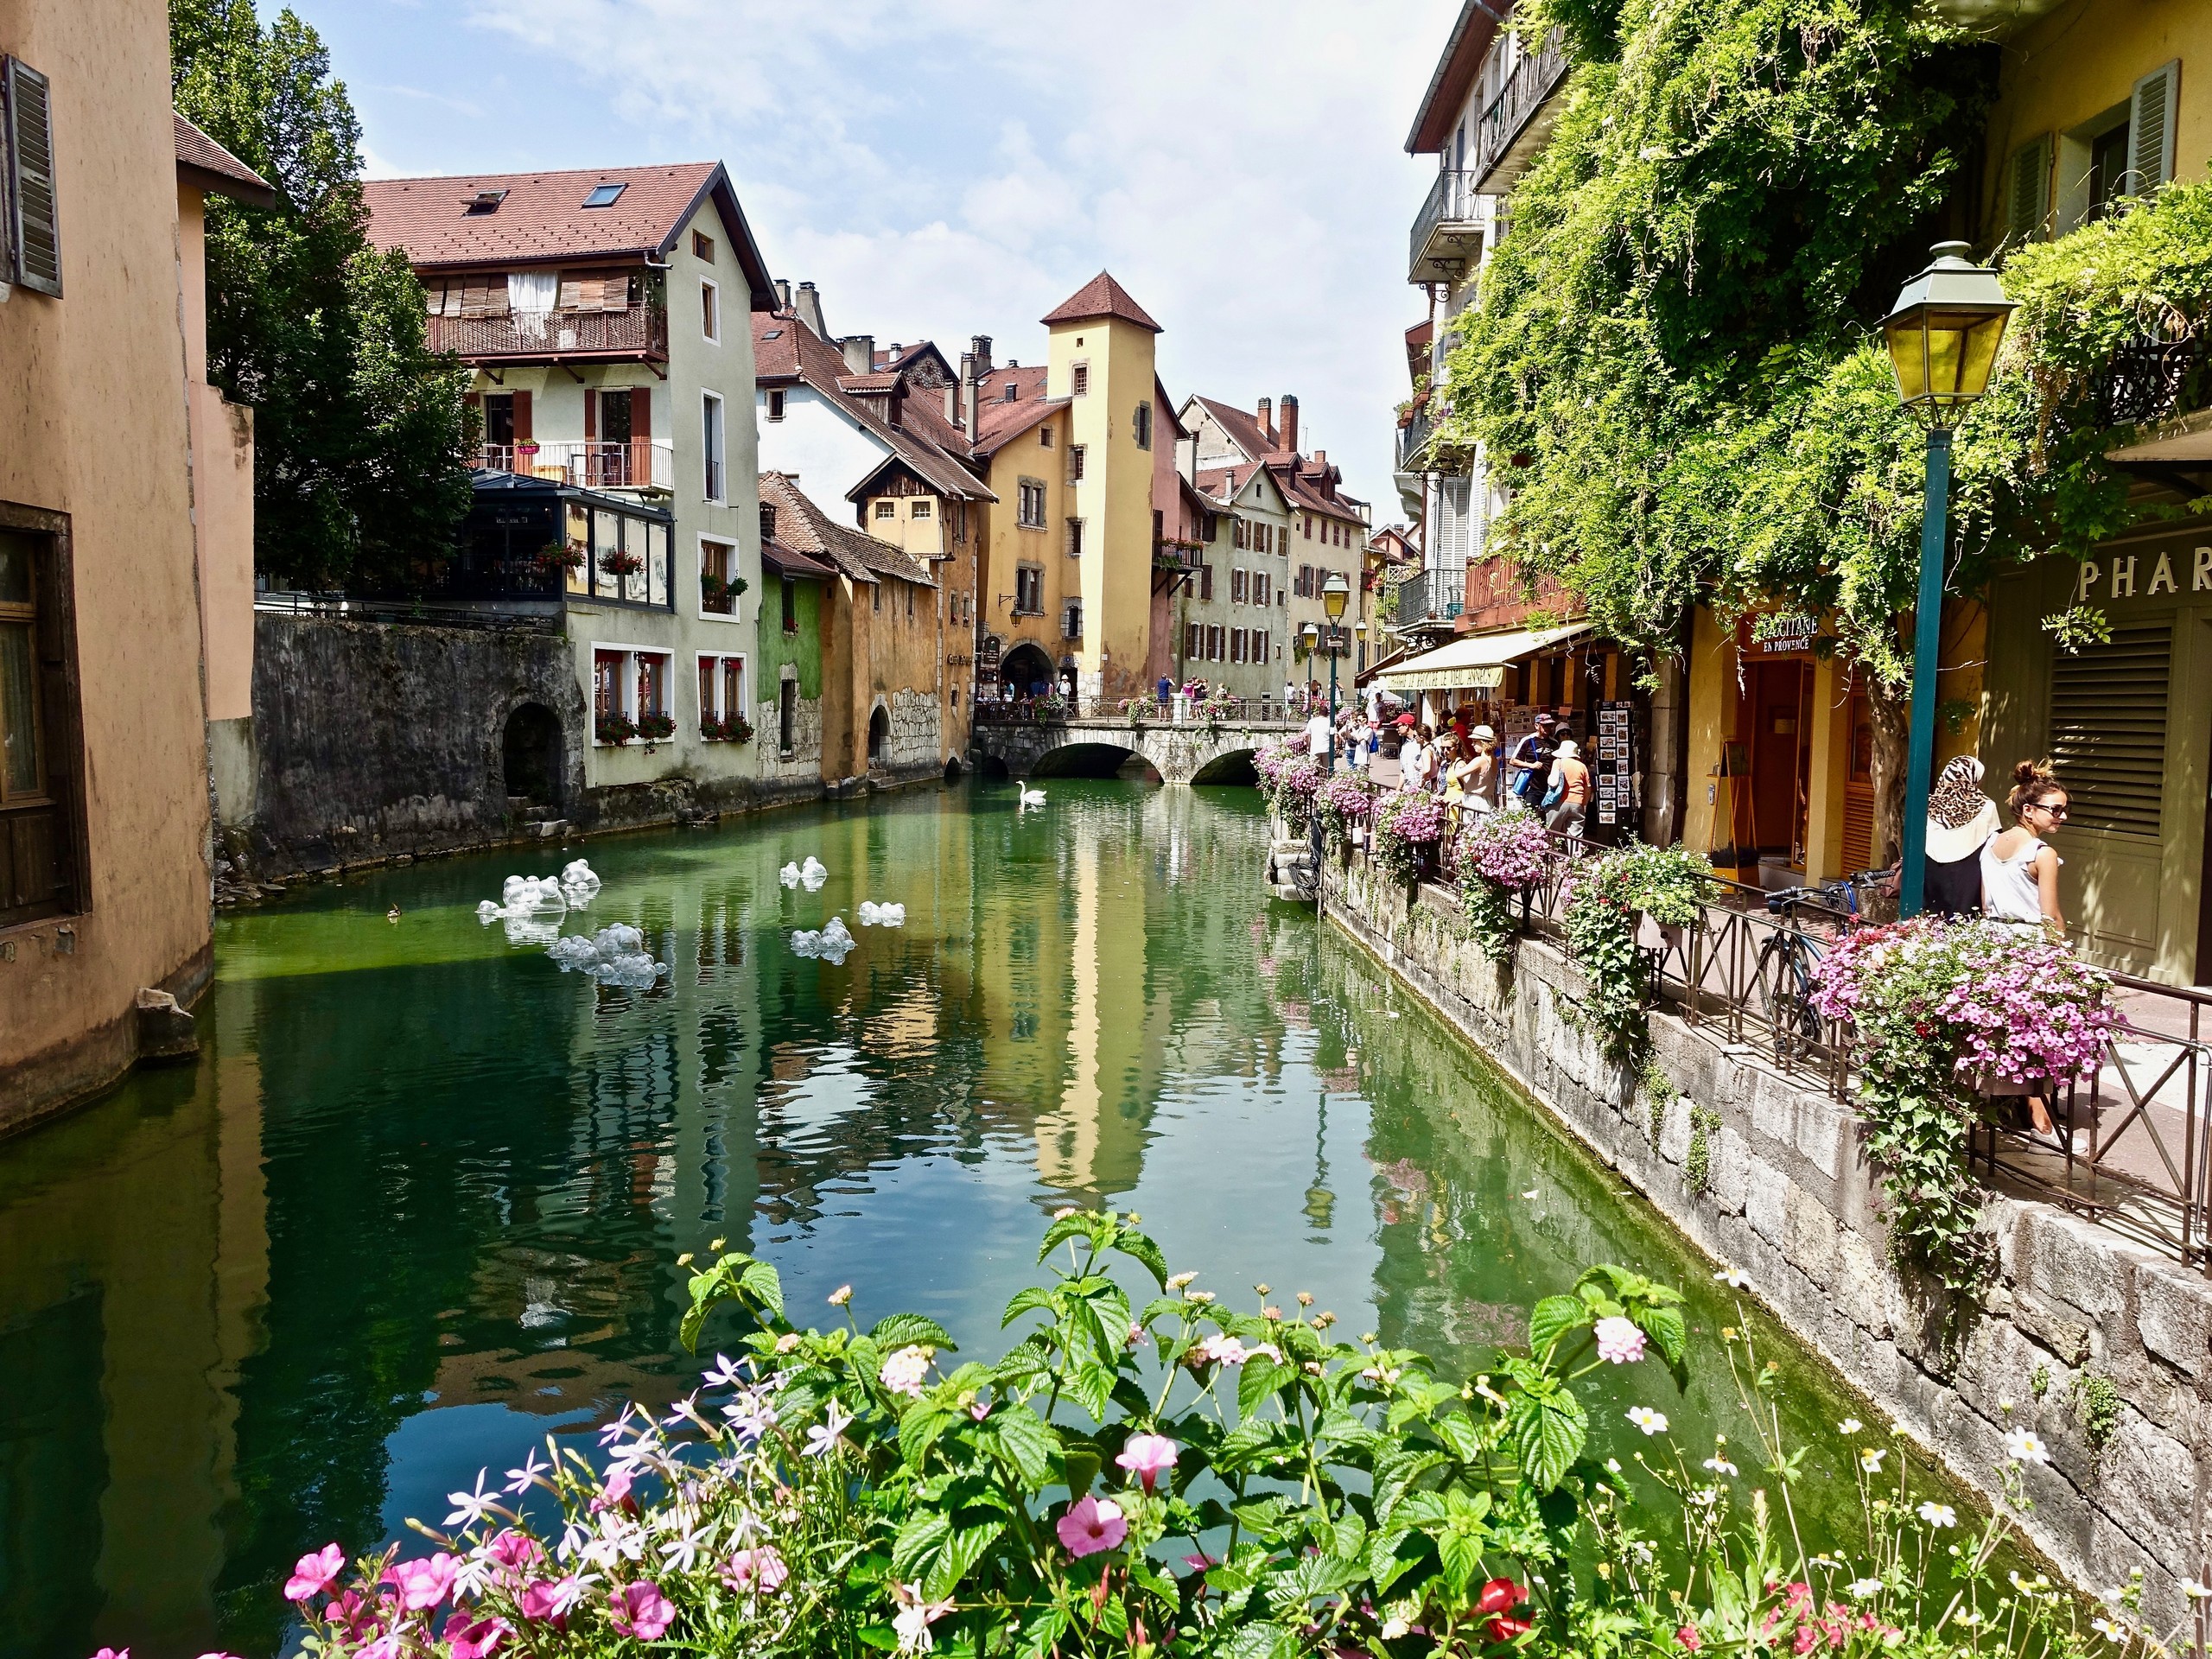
point(1606, 898)
point(1937, 1009)
point(614, 728)
point(1502, 855)
point(1409, 827)
point(1139, 711)
point(1289, 779)
point(656, 728)
point(620, 563)
point(1177, 1475)
point(731, 728)
point(1344, 800)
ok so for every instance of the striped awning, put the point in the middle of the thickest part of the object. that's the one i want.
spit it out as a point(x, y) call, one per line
point(1477, 662)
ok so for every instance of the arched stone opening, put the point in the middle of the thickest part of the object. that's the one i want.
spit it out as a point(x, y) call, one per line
point(878, 736)
point(529, 754)
point(1084, 760)
point(1028, 670)
point(1235, 767)
point(953, 769)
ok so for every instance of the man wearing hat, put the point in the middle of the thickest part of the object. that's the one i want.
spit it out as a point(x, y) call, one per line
point(1529, 766)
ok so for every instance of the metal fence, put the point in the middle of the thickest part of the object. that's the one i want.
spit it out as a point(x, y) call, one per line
point(2133, 1145)
point(1148, 711)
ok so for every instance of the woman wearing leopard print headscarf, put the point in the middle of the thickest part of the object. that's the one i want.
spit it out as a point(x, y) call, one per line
point(1960, 821)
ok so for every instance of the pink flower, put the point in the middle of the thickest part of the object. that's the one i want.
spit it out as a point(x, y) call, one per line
point(1092, 1524)
point(112, 1653)
point(1220, 1350)
point(615, 1494)
point(311, 1576)
point(474, 1640)
point(541, 1601)
point(1145, 1455)
point(1619, 1342)
point(351, 1614)
point(1688, 1637)
point(761, 1569)
point(641, 1611)
point(423, 1584)
point(905, 1371)
point(512, 1549)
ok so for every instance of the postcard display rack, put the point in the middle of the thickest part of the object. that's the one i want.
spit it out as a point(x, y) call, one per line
point(1615, 763)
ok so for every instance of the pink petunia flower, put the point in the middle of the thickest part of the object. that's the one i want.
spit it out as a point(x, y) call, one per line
point(1619, 1341)
point(541, 1602)
point(512, 1549)
point(641, 1611)
point(615, 1494)
point(476, 1639)
point(423, 1584)
point(1146, 1456)
point(311, 1575)
point(761, 1569)
point(1091, 1525)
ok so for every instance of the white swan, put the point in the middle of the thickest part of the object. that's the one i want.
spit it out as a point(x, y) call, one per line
point(1028, 797)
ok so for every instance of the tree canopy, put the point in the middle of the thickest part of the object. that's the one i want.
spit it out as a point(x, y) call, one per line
point(360, 434)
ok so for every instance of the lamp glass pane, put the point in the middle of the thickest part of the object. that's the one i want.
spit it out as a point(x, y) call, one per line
point(1944, 341)
point(1909, 357)
point(1979, 357)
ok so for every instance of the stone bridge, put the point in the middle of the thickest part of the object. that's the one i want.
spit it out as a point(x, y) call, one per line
point(1193, 753)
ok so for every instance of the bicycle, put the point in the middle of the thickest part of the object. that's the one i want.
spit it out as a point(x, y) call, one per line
point(1788, 959)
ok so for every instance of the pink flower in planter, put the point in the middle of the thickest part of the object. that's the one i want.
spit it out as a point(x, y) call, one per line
point(423, 1584)
point(1619, 1341)
point(313, 1574)
point(1146, 1456)
point(1091, 1525)
point(761, 1569)
point(543, 1601)
point(641, 1611)
point(473, 1639)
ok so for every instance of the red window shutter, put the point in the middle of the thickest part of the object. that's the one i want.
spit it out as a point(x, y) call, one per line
point(522, 418)
point(591, 414)
point(641, 416)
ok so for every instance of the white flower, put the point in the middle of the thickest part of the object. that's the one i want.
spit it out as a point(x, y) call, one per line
point(915, 1616)
point(1938, 1514)
point(1849, 1425)
point(2025, 1445)
point(905, 1371)
point(750, 1414)
point(1706, 1497)
point(682, 1552)
point(1650, 1421)
point(1722, 1466)
point(1182, 1280)
point(570, 1592)
point(2198, 1590)
point(471, 1507)
point(727, 1373)
point(1860, 1589)
point(822, 1437)
point(2107, 1628)
point(520, 1480)
point(1870, 1458)
point(1734, 1278)
point(1612, 1465)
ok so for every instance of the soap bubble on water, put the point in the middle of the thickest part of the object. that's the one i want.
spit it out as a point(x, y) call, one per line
point(876, 915)
point(832, 944)
point(613, 956)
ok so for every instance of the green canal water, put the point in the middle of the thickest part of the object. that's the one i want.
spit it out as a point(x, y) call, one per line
point(419, 1201)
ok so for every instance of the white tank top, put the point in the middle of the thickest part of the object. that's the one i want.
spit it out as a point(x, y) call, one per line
point(2009, 891)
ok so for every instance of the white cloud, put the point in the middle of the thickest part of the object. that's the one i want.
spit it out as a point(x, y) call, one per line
point(955, 167)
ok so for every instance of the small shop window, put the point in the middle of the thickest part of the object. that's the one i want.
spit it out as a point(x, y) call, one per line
point(2108, 729)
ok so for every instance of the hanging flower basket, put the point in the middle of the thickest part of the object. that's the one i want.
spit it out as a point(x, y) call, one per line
point(621, 564)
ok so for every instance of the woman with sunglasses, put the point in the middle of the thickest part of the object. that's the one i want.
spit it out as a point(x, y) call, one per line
point(2019, 876)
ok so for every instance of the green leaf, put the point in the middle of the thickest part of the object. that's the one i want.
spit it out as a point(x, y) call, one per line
point(1089, 1385)
point(960, 1552)
point(1549, 1427)
point(1027, 1299)
point(1668, 1331)
point(1459, 1435)
point(896, 1331)
point(1026, 1442)
point(919, 1431)
point(1551, 1319)
point(759, 1282)
point(1460, 1548)
point(1262, 1639)
point(1140, 1248)
point(1079, 1225)
point(1079, 1468)
point(1262, 1380)
point(923, 1534)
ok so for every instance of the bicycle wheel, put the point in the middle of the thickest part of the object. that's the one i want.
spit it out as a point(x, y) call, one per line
point(1785, 983)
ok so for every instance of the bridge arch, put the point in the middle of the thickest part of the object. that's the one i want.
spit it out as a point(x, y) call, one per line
point(1026, 667)
point(1095, 747)
point(1232, 766)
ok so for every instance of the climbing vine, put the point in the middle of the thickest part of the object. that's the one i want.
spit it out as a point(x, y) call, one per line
point(1607, 898)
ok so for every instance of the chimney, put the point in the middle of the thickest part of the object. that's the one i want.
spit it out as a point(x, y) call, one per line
point(981, 346)
point(859, 352)
point(806, 306)
point(1186, 459)
point(783, 294)
point(972, 370)
point(1289, 439)
point(952, 405)
point(1268, 420)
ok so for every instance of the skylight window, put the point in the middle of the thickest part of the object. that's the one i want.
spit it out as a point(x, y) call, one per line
point(605, 196)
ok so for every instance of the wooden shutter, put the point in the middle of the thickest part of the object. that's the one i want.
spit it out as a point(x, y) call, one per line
point(522, 418)
point(2108, 729)
point(2027, 191)
point(34, 224)
point(2151, 129)
point(591, 414)
point(641, 416)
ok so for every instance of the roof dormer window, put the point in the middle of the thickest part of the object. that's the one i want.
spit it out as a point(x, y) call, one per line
point(605, 196)
point(487, 201)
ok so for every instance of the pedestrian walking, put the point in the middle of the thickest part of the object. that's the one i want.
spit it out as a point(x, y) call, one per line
point(1567, 791)
point(1529, 766)
point(1481, 785)
point(1960, 821)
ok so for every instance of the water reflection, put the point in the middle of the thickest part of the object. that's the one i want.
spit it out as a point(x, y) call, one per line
point(420, 1201)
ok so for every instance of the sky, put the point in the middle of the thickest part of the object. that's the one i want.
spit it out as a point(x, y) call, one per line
point(948, 167)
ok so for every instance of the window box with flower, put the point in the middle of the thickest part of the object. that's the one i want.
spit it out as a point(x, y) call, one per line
point(735, 728)
point(621, 563)
point(615, 730)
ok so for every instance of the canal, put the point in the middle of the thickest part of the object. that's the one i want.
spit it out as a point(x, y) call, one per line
point(420, 1200)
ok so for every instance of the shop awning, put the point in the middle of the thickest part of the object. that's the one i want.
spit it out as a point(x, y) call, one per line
point(1476, 663)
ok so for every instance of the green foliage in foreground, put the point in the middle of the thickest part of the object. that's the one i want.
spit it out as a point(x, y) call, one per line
point(1170, 1475)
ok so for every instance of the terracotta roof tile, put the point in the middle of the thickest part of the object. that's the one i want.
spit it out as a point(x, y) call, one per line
point(542, 216)
point(859, 384)
point(801, 354)
point(1101, 296)
point(1242, 426)
point(805, 528)
point(217, 168)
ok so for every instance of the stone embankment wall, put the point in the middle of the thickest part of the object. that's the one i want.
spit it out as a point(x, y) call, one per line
point(379, 741)
point(1768, 1175)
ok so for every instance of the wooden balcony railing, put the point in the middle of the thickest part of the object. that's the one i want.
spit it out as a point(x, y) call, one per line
point(641, 331)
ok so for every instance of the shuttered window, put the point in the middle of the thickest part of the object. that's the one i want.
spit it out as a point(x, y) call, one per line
point(2108, 729)
point(33, 234)
point(2150, 130)
point(2027, 191)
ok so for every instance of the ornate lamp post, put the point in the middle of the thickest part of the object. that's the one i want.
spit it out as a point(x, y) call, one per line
point(1336, 593)
point(1943, 335)
point(1310, 637)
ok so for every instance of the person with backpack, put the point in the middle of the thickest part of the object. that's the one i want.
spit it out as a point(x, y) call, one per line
point(1528, 768)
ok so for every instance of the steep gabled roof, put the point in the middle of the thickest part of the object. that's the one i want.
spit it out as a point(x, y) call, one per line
point(541, 218)
point(1456, 67)
point(208, 168)
point(1241, 426)
point(1101, 296)
point(805, 528)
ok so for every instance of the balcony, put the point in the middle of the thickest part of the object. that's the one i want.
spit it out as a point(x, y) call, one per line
point(640, 331)
point(1447, 237)
point(1431, 599)
point(644, 464)
point(1519, 119)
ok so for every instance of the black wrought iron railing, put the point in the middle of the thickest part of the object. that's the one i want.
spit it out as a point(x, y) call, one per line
point(1533, 79)
point(1451, 200)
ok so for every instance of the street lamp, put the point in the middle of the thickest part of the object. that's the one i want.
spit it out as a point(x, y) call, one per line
point(1943, 336)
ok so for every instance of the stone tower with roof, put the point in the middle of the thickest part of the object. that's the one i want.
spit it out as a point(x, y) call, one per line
point(1100, 361)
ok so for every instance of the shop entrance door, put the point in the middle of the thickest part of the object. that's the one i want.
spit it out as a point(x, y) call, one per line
point(1780, 706)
